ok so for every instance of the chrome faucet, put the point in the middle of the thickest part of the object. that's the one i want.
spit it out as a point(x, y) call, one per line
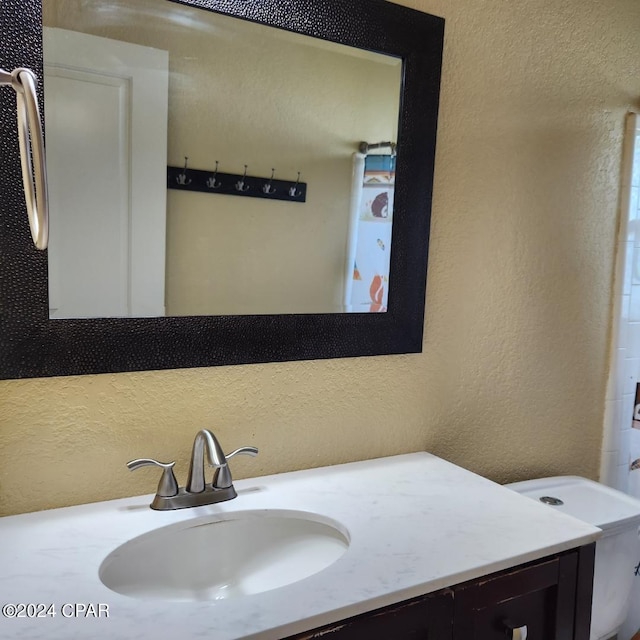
point(197, 492)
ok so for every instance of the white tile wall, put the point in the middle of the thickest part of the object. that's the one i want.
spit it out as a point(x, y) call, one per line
point(620, 441)
point(624, 371)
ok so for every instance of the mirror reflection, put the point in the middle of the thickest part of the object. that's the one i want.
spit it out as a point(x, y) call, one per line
point(132, 87)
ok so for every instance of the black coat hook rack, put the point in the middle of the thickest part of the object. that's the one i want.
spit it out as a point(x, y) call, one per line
point(235, 184)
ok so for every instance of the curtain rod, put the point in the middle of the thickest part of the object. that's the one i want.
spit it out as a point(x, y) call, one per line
point(365, 147)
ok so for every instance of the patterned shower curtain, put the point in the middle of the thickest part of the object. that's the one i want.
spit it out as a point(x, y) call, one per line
point(367, 276)
point(632, 623)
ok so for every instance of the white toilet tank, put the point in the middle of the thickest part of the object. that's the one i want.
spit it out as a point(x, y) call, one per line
point(617, 551)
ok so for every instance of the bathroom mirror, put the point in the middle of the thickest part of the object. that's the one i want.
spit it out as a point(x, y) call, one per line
point(406, 42)
point(134, 85)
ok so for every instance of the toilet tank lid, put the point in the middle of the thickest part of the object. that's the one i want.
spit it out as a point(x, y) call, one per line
point(589, 501)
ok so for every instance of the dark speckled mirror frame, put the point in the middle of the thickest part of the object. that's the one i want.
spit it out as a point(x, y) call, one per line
point(32, 345)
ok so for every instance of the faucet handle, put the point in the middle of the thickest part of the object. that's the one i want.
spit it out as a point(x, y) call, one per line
point(168, 486)
point(222, 477)
point(247, 451)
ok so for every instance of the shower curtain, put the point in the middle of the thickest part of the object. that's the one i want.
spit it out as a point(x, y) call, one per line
point(369, 238)
point(631, 627)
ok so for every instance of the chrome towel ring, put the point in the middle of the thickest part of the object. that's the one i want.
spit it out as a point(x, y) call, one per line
point(32, 158)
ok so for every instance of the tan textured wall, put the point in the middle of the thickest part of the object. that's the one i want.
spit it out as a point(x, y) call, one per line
point(511, 382)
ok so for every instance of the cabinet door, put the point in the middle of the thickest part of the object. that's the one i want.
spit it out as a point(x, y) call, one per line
point(539, 597)
point(424, 618)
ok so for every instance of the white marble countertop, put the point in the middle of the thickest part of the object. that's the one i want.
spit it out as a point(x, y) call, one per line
point(416, 524)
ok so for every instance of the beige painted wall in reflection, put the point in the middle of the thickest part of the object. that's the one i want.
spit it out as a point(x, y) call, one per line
point(243, 94)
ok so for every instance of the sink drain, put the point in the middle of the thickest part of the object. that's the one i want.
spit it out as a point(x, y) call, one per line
point(553, 501)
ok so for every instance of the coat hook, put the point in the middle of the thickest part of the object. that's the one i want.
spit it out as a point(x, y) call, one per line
point(293, 191)
point(181, 178)
point(212, 182)
point(266, 187)
point(240, 185)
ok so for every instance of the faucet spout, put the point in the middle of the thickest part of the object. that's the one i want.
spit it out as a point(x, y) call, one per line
point(204, 440)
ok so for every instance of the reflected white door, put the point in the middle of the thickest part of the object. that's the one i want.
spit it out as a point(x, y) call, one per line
point(106, 145)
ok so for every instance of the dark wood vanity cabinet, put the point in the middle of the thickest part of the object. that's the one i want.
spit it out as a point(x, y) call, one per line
point(543, 596)
point(425, 618)
point(551, 597)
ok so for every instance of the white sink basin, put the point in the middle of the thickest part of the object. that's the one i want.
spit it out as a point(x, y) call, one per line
point(219, 557)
